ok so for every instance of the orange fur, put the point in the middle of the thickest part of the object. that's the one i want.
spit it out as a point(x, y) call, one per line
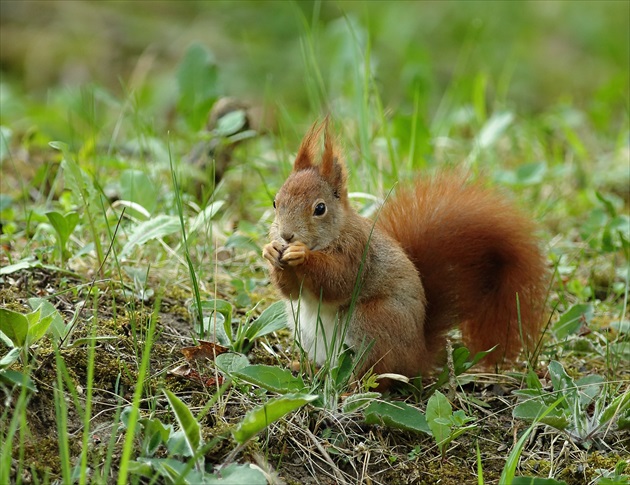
point(475, 253)
point(442, 253)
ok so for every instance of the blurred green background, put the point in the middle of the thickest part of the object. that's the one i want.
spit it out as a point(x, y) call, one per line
point(532, 54)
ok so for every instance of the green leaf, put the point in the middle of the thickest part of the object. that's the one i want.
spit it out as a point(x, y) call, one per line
point(223, 308)
point(621, 326)
point(79, 183)
point(137, 187)
point(38, 325)
point(155, 434)
point(534, 409)
point(589, 387)
point(63, 225)
point(177, 444)
point(230, 363)
point(231, 123)
point(142, 468)
point(507, 475)
point(12, 356)
point(259, 418)
point(397, 415)
point(562, 382)
point(572, 320)
point(15, 378)
point(438, 415)
point(57, 327)
point(197, 79)
point(272, 378)
point(187, 422)
point(14, 325)
point(237, 474)
point(274, 318)
point(355, 402)
point(618, 406)
point(155, 228)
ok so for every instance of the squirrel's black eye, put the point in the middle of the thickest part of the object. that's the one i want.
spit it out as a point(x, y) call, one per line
point(320, 209)
point(274, 203)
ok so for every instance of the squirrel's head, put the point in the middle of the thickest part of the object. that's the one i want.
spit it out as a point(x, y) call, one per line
point(311, 205)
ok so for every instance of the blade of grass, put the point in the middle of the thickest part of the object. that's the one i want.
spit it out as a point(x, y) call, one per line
point(191, 268)
point(123, 471)
point(87, 415)
point(61, 413)
point(507, 475)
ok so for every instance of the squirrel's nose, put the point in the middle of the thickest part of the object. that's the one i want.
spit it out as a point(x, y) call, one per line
point(287, 236)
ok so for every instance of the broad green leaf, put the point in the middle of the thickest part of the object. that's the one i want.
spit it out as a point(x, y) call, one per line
point(231, 123)
point(259, 418)
point(342, 371)
point(169, 468)
point(12, 356)
point(589, 387)
point(38, 326)
point(272, 378)
point(397, 415)
point(272, 319)
point(618, 406)
point(20, 265)
point(155, 433)
point(355, 402)
point(57, 327)
point(137, 187)
point(14, 325)
point(187, 422)
point(561, 381)
point(621, 326)
point(534, 409)
point(438, 415)
point(222, 308)
point(237, 474)
point(14, 378)
point(230, 363)
point(142, 468)
point(79, 183)
point(572, 320)
point(532, 381)
point(177, 444)
point(158, 227)
point(64, 225)
point(197, 80)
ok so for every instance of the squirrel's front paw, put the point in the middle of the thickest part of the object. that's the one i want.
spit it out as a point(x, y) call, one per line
point(273, 253)
point(295, 254)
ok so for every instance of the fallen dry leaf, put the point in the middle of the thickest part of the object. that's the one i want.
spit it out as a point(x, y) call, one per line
point(205, 350)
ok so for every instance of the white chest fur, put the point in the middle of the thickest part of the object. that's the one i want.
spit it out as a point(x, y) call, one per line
point(318, 326)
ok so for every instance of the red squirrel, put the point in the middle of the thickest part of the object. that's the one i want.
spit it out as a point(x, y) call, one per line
point(442, 252)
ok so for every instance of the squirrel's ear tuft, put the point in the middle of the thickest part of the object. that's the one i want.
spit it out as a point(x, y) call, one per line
point(332, 168)
point(308, 149)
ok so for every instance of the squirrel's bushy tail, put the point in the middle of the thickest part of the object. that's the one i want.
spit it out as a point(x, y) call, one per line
point(475, 253)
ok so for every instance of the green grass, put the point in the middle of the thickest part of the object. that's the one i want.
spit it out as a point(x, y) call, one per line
point(107, 126)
